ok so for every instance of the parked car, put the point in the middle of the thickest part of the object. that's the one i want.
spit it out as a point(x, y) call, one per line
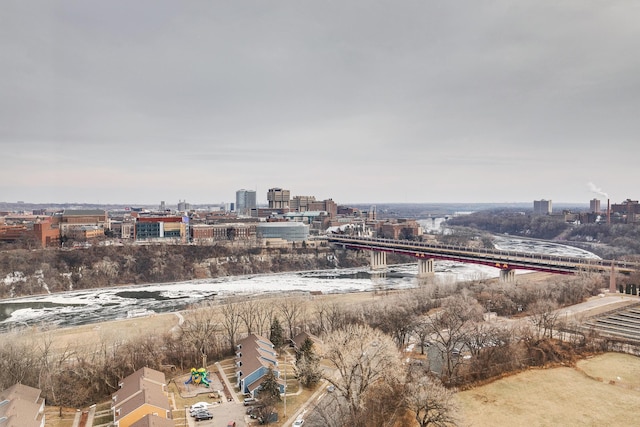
point(298, 423)
point(203, 415)
point(199, 405)
point(250, 401)
point(331, 388)
point(199, 411)
point(231, 424)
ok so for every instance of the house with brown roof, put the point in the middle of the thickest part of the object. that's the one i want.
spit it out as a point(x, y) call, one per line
point(142, 393)
point(297, 342)
point(255, 354)
point(151, 420)
point(21, 406)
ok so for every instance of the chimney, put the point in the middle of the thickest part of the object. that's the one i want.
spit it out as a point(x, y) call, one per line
point(608, 212)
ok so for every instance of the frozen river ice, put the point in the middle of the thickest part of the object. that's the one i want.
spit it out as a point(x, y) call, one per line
point(95, 305)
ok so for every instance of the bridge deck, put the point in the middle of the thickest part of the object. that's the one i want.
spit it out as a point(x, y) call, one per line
point(505, 260)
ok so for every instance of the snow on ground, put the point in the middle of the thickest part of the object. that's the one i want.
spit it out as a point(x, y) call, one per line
point(94, 305)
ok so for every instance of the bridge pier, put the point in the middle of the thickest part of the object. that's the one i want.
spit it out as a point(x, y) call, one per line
point(507, 275)
point(378, 260)
point(425, 268)
point(612, 280)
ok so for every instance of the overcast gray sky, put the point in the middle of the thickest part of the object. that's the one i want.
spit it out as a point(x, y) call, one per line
point(359, 101)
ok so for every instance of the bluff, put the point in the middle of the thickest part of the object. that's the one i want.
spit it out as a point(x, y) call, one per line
point(30, 272)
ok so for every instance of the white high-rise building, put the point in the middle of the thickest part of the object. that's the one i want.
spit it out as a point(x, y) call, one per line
point(542, 207)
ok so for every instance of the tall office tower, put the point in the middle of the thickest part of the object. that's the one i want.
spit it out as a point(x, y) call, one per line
point(245, 201)
point(183, 206)
point(278, 198)
point(594, 205)
point(542, 207)
point(163, 206)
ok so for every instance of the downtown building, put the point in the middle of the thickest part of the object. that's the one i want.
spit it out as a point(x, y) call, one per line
point(162, 229)
point(245, 202)
point(542, 207)
point(278, 198)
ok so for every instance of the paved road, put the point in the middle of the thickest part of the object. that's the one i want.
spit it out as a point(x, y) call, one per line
point(599, 304)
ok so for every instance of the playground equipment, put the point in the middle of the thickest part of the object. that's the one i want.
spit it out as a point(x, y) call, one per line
point(199, 377)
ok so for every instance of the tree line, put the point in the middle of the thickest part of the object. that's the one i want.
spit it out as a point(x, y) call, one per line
point(363, 345)
point(606, 240)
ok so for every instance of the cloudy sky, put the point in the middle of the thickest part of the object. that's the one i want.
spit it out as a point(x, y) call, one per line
point(359, 101)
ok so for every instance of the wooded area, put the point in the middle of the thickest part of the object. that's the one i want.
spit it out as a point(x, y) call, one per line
point(363, 344)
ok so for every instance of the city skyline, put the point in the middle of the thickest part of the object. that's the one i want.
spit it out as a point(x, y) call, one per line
point(403, 102)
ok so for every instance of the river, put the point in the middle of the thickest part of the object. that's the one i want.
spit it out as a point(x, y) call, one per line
point(96, 305)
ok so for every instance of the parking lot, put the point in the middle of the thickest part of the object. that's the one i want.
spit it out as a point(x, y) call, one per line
point(222, 414)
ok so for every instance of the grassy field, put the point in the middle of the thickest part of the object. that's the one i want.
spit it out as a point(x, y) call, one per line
point(600, 391)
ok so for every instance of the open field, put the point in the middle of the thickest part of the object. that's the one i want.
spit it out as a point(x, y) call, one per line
point(589, 395)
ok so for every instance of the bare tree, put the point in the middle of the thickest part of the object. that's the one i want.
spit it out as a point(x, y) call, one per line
point(394, 317)
point(52, 363)
point(332, 316)
point(430, 401)
point(449, 327)
point(199, 330)
point(422, 330)
point(247, 310)
point(18, 364)
point(361, 356)
point(231, 320)
point(264, 310)
point(292, 309)
point(543, 316)
point(384, 405)
point(481, 335)
point(493, 351)
point(320, 324)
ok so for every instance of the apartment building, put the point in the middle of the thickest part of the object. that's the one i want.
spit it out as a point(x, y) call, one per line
point(141, 394)
point(21, 406)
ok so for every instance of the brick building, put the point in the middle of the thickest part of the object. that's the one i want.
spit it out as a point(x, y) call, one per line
point(162, 228)
point(72, 219)
point(403, 229)
point(629, 211)
point(202, 233)
point(47, 233)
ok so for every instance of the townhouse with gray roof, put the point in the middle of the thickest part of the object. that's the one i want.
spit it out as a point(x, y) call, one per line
point(255, 354)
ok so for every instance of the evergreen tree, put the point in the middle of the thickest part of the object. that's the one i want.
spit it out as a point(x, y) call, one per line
point(270, 389)
point(308, 364)
point(277, 335)
point(308, 369)
point(306, 349)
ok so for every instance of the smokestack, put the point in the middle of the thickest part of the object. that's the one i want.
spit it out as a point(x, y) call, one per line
point(608, 212)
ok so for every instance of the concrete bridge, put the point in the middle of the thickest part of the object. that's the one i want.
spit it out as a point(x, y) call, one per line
point(506, 261)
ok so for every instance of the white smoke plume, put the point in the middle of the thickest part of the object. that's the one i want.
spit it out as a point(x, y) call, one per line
point(597, 190)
